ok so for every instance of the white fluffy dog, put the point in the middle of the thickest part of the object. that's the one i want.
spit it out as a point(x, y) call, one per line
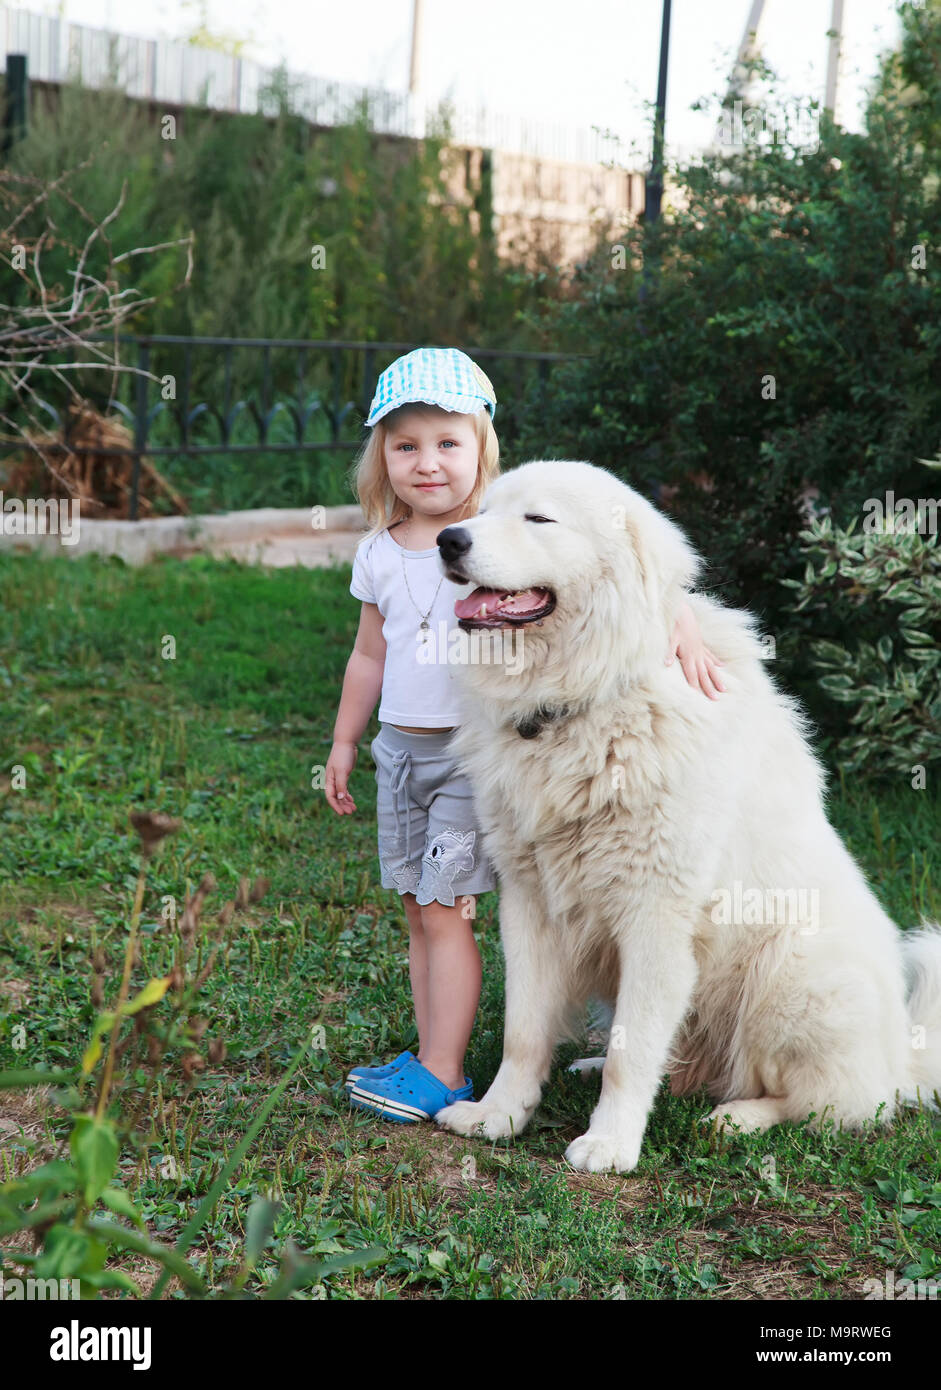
point(663, 852)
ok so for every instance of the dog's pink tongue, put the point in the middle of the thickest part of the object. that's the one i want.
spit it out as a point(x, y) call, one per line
point(523, 602)
point(469, 607)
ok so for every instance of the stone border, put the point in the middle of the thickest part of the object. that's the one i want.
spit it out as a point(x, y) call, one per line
point(136, 542)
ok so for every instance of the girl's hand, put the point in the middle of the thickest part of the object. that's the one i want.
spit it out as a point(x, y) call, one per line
point(700, 666)
point(340, 764)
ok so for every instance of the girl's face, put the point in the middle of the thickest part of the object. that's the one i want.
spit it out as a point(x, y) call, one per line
point(431, 456)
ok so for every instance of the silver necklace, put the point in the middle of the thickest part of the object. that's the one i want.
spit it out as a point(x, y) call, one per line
point(424, 629)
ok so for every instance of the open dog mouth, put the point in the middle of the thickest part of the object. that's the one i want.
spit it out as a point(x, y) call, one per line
point(503, 607)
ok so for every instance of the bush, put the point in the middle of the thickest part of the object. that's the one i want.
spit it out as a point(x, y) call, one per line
point(405, 257)
point(783, 346)
point(884, 586)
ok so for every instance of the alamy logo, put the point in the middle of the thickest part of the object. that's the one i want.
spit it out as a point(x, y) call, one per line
point(480, 647)
point(893, 513)
point(76, 1343)
point(767, 907)
point(38, 1290)
point(900, 1289)
point(795, 124)
point(41, 516)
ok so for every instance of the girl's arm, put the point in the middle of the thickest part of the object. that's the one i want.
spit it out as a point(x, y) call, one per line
point(362, 685)
point(700, 666)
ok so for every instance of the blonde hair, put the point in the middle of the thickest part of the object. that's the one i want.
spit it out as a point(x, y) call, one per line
point(370, 479)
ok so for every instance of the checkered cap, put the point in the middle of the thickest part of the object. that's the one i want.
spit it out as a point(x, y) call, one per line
point(438, 376)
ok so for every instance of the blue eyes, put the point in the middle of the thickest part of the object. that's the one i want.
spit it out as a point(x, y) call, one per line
point(452, 442)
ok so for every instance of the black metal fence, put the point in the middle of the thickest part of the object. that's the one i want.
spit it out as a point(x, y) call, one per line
point(296, 395)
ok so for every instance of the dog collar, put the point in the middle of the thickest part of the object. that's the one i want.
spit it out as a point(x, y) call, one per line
point(532, 724)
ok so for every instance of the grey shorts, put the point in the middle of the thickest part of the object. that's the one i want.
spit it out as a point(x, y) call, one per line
point(429, 842)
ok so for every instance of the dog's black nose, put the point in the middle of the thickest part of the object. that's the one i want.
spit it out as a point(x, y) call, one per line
point(453, 542)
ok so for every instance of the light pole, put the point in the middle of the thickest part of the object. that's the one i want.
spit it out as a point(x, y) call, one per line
point(653, 190)
point(833, 57)
point(414, 65)
point(416, 112)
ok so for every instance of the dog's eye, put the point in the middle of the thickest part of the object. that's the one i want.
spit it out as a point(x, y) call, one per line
point(530, 517)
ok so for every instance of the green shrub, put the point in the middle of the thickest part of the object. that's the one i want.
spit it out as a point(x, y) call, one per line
point(782, 262)
point(884, 587)
point(404, 258)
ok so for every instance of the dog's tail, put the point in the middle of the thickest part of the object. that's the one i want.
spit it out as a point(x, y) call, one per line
point(921, 952)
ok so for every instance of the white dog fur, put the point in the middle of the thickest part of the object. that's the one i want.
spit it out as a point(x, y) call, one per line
point(617, 828)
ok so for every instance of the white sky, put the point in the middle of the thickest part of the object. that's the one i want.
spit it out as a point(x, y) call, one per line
point(594, 63)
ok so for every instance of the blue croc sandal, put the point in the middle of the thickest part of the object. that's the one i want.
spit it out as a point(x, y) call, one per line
point(411, 1094)
point(370, 1074)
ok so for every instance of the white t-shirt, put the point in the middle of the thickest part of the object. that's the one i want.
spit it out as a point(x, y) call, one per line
point(418, 683)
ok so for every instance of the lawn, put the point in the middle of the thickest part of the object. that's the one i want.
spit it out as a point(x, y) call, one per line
point(208, 690)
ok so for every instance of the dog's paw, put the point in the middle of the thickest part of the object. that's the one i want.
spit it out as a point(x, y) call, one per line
point(722, 1118)
point(477, 1119)
point(599, 1153)
point(587, 1066)
point(484, 1119)
point(745, 1116)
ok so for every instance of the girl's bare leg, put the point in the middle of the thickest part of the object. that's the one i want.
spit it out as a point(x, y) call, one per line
point(417, 966)
point(452, 979)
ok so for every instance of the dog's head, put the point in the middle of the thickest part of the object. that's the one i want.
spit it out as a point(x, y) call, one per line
point(580, 571)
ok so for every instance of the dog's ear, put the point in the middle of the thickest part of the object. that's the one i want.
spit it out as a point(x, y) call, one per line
point(667, 562)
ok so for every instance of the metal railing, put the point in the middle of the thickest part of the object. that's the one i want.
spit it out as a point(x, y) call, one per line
point(333, 382)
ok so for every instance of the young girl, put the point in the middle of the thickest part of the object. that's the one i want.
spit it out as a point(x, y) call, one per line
point(431, 455)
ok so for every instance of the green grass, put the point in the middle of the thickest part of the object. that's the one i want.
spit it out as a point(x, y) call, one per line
point(226, 735)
